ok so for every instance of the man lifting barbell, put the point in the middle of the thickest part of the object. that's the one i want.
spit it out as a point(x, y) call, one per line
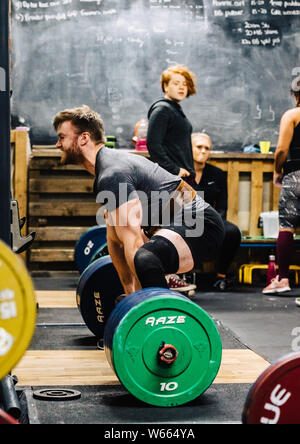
point(156, 223)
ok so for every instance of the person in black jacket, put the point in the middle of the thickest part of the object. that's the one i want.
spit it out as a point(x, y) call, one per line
point(169, 135)
point(213, 182)
point(169, 130)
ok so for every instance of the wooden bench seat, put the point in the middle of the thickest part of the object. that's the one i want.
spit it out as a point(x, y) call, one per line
point(262, 242)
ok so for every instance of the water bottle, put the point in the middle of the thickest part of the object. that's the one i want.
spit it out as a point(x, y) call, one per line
point(140, 138)
point(272, 272)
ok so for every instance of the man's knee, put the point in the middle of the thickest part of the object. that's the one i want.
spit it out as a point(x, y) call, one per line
point(149, 269)
point(145, 260)
point(154, 260)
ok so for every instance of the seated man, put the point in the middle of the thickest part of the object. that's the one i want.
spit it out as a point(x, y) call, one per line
point(212, 181)
point(140, 197)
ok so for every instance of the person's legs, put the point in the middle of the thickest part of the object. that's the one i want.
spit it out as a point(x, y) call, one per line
point(229, 248)
point(166, 253)
point(225, 256)
point(289, 213)
point(285, 252)
point(169, 252)
point(156, 259)
point(285, 247)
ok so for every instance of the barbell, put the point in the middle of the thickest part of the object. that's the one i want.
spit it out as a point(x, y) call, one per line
point(164, 349)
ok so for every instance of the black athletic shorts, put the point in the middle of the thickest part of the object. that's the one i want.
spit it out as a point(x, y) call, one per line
point(205, 246)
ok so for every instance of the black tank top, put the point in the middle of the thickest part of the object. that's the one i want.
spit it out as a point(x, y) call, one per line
point(293, 162)
point(295, 144)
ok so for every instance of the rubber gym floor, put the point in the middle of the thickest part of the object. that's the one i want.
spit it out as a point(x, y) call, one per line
point(255, 330)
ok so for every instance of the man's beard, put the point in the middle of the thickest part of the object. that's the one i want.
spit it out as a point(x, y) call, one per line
point(73, 156)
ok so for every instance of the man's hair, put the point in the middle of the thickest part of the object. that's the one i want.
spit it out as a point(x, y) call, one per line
point(185, 72)
point(196, 135)
point(85, 120)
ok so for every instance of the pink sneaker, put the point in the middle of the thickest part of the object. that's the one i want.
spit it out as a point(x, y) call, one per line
point(177, 284)
point(277, 286)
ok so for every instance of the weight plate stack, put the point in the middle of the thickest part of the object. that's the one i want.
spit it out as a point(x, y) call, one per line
point(165, 350)
point(98, 287)
point(17, 310)
point(87, 245)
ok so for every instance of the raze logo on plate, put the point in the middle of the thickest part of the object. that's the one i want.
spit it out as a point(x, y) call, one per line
point(99, 309)
point(166, 320)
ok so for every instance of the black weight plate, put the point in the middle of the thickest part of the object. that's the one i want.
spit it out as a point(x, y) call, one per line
point(97, 290)
point(57, 394)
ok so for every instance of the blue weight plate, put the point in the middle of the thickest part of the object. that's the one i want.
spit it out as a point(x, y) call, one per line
point(97, 289)
point(88, 245)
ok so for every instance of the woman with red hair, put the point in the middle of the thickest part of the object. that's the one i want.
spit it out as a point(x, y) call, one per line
point(169, 130)
point(169, 135)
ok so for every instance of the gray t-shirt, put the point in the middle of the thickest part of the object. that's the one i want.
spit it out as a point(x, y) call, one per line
point(121, 177)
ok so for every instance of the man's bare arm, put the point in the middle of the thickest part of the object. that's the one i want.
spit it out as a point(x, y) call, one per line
point(125, 237)
point(116, 252)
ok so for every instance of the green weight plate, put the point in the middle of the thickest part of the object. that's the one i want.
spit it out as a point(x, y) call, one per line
point(145, 328)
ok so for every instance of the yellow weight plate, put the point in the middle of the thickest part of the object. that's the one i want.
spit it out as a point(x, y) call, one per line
point(17, 310)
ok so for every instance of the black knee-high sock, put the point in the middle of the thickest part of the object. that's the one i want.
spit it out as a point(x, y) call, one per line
point(154, 260)
point(285, 253)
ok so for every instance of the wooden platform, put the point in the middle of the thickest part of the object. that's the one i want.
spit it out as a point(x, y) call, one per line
point(73, 368)
point(56, 299)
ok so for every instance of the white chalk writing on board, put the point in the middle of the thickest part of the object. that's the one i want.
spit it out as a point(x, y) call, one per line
point(110, 54)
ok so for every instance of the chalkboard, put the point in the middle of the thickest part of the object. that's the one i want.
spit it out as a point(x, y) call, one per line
point(109, 54)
